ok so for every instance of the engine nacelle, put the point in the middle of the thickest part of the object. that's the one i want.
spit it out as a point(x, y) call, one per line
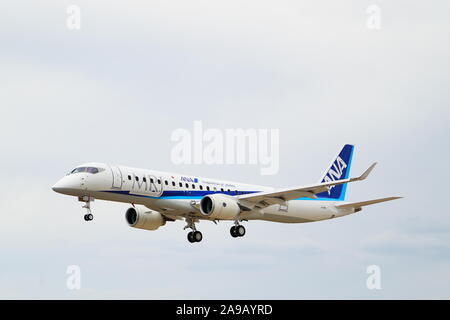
point(219, 206)
point(144, 218)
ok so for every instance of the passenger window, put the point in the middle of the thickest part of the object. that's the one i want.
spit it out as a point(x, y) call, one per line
point(187, 186)
point(129, 177)
point(173, 184)
point(193, 186)
point(201, 187)
point(181, 185)
point(166, 182)
point(151, 180)
point(137, 178)
point(159, 181)
point(207, 188)
point(221, 189)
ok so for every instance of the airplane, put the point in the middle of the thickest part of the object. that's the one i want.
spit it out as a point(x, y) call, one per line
point(159, 197)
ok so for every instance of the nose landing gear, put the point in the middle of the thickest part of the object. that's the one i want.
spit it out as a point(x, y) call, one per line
point(87, 200)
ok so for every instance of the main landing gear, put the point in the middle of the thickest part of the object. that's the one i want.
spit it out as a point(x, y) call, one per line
point(237, 230)
point(87, 200)
point(194, 235)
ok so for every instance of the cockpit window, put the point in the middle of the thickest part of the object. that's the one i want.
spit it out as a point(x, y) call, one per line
point(92, 170)
point(81, 169)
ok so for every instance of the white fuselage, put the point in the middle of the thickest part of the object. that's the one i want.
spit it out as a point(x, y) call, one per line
point(162, 191)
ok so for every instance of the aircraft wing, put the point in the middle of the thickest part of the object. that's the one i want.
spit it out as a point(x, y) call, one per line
point(267, 198)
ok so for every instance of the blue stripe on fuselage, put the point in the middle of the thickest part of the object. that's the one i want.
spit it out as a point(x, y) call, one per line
point(195, 194)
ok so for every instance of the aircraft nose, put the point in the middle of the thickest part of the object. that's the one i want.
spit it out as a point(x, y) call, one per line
point(58, 187)
point(67, 185)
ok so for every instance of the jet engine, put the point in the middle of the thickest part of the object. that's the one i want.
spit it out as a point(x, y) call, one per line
point(144, 218)
point(219, 206)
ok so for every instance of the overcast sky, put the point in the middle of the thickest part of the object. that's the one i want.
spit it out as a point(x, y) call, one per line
point(115, 90)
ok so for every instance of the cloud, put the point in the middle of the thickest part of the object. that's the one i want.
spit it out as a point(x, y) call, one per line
point(434, 246)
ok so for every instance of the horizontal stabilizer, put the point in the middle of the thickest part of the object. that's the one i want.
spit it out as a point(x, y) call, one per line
point(365, 203)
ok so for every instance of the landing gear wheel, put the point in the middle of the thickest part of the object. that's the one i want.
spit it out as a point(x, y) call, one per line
point(198, 236)
point(190, 237)
point(233, 232)
point(237, 231)
point(88, 217)
point(240, 231)
point(194, 236)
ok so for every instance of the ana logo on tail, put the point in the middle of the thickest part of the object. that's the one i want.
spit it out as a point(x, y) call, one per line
point(339, 169)
point(335, 172)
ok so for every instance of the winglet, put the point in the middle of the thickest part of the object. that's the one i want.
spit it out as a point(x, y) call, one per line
point(367, 172)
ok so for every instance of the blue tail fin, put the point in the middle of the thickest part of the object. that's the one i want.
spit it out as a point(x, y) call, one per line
point(339, 169)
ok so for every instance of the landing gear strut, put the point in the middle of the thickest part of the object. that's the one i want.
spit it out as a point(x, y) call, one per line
point(194, 235)
point(237, 230)
point(87, 200)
